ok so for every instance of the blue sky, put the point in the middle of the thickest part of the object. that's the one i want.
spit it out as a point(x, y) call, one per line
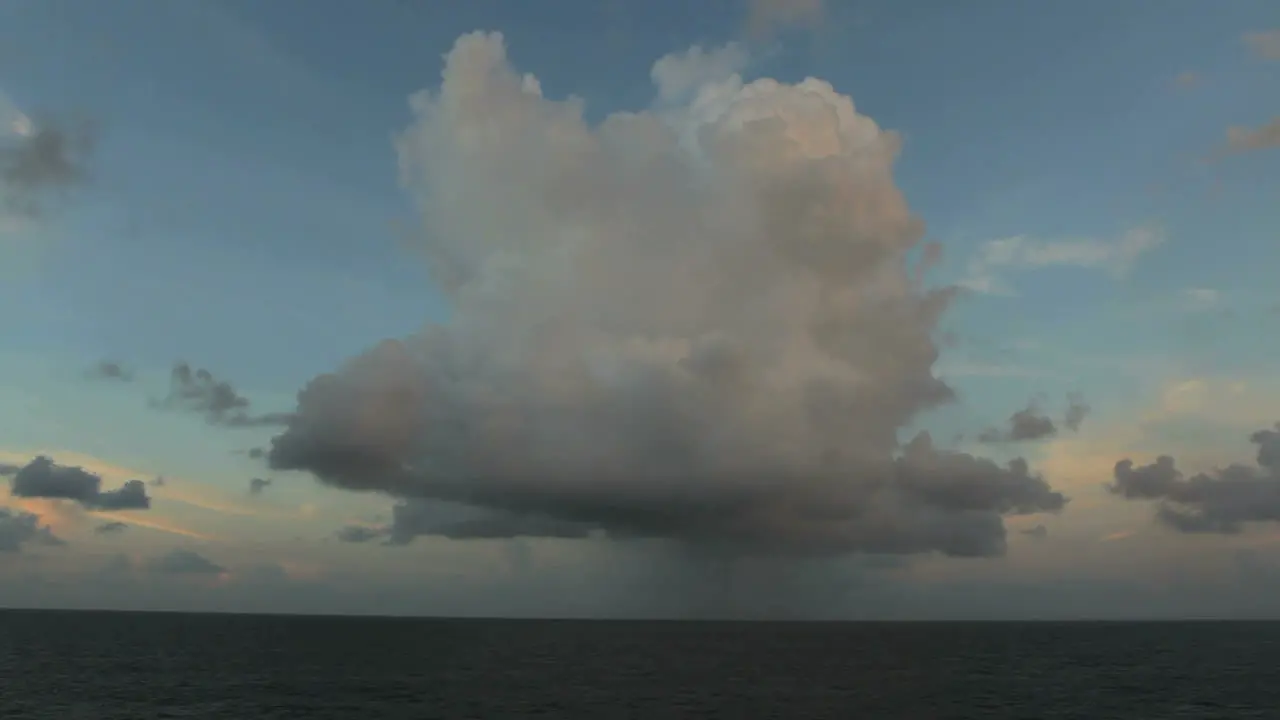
point(242, 211)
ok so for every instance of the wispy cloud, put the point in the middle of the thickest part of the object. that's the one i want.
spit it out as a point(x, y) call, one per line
point(768, 16)
point(988, 270)
point(1201, 298)
point(157, 525)
point(1118, 535)
point(12, 120)
point(1264, 43)
point(1188, 80)
point(1247, 139)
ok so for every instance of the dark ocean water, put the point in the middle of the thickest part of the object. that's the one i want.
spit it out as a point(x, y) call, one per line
point(108, 666)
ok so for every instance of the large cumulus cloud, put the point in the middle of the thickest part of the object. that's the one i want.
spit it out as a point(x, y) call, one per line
point(1219, 501)
point(699, 324)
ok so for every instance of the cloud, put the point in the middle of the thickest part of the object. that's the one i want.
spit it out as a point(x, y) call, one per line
point(997, 258)
point(1220, 501)
point(197, 390)
point(109, 370)
point(113, 527)
point(1201, 298)
point(768, 16)
point(359, 533)
point(1038, 532)
point(42, 478)
point(257, 485)
point(1188, 80)
point(18, 529)
point(1246, 139)
point(700, 326)
point(38, 161)
point(1264, 43)
point(1031, 423)
point(1077, 411)
point(182, 562)
point(158, 526)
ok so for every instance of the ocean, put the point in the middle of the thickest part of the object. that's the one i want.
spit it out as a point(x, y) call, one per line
point(143, 666)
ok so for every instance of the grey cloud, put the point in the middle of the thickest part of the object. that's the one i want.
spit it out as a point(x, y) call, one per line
point(158, 481)
point(1220, 501)
point(1077, 411)
point(48, 160)
point(1031, 423)
point(197, 390)
point(1247, 139)
point(1264, 43)
point(182, 562)
point(359, 533)
point(18, 529)
point(699, 325)
point(43, 478)
point(1038, 532)
point(110, 370)
point(257, 485)
point(111, 528)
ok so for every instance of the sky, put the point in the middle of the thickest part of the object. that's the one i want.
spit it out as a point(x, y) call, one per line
point(744, 308)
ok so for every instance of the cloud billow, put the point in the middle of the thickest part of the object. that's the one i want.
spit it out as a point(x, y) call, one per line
point(43, 478)
point(697, 324)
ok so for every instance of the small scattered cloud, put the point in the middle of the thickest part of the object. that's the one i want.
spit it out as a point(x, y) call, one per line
point(18, 529)
point(1220, 501)
point(183, 562)
point(1250, 139)
point(257, 485)
point(1188, 80)
point(1039, 532)
point(114, 527)
point(1263, 43)
point(987, 272)
point(110, 370)
point(196, 390)
point(1031, 423)
point(1077, 410)
point(43, 478)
